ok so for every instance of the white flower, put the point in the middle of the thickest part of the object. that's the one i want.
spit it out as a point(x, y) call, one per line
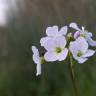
point(37, 60)
point(80, 51)
point(55, 49)
point(84, 33)
point(53, 32)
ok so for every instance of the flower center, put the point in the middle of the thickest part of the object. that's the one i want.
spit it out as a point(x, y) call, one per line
point(79, 54)
point(83, 35)
point(58, 50)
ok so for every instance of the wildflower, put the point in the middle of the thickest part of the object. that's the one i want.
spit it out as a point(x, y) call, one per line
point(55, 49)
point(37, 60)
point(80, 51)
point(84, 33)
point(53, 32)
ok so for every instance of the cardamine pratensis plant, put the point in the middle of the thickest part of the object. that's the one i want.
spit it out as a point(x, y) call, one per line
point(59, 43)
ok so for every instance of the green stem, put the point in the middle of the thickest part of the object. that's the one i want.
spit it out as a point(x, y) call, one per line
point(72, 73)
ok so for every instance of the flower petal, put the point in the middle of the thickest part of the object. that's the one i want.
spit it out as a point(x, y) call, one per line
point(91, 42)
point(63, 54)
point(73, 48)
point(60, 41)
point(89, 53)
point(43, 40)
point(50, 56)
point(63, 30)
point(52, 31)
point(49, 44)
point(82, 60)
point(74, 26)
point(36, 57)
point(79, 45)
point(90, 34)
point(38, 69)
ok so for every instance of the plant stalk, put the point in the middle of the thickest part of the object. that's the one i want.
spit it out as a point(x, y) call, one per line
point(72, 74)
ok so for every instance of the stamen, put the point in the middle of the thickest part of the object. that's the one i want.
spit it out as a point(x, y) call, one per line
point(58, 50)
point(79, 54)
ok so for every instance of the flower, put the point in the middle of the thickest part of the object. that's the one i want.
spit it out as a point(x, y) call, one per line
point(37, 60)
point(84, 33)
point(79, 50)
point(55, 49)
point(53, 32)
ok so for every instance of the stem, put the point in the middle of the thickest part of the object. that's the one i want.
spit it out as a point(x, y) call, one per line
point(72, 73)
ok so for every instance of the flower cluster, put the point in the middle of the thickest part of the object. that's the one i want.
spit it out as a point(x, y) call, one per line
point(58, 43)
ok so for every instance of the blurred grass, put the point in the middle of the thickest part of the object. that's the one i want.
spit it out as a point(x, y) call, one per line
point(17, 70)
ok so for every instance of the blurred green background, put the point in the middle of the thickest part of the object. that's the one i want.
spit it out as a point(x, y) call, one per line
point(24, 29)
